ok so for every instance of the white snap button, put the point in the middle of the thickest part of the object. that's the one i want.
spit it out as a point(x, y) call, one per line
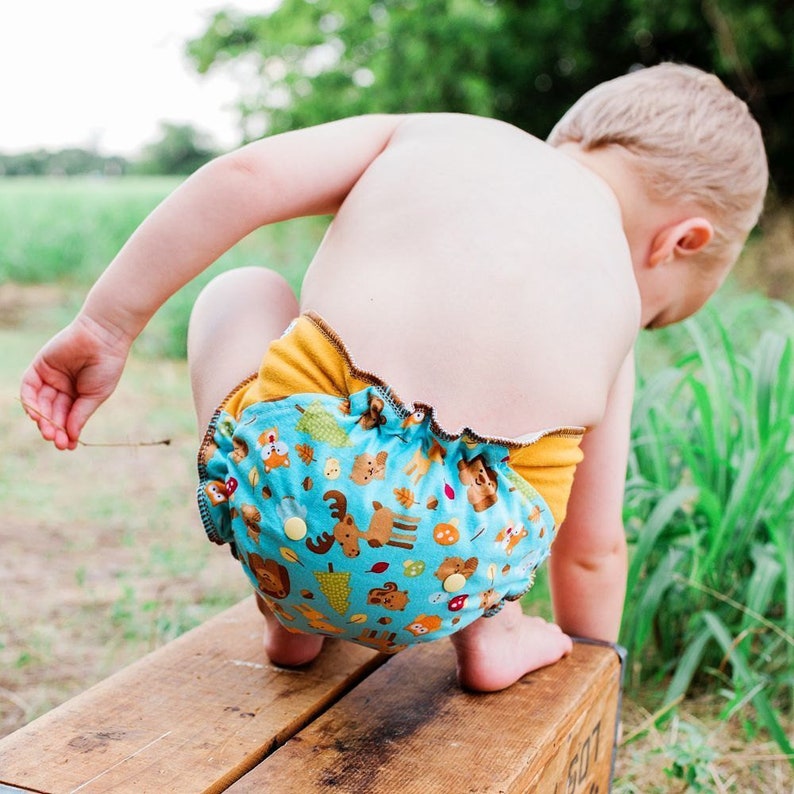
point(295, 528)
point(454, 582)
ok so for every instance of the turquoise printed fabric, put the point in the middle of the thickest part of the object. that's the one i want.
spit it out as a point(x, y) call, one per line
point(353, 518)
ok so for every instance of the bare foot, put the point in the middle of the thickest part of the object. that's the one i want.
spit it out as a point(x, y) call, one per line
point(495, 652)
point(286, 648)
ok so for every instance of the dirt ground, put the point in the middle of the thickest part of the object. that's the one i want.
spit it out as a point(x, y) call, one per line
point(103, 556)
point(103, 559)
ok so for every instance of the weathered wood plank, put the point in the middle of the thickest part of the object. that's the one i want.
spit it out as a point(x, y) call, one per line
point(409, 728)
point(192, 716)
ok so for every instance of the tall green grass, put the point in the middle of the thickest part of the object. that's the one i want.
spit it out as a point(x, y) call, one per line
point(710, 512)
point(66, 231)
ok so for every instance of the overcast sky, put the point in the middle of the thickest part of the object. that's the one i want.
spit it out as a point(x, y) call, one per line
point(100, 73)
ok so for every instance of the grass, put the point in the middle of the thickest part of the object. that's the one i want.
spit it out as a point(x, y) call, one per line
point(710, 509)
point(103, 555)
point(66, 231)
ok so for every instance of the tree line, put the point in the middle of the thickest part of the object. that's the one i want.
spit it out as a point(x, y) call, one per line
point(180, 150)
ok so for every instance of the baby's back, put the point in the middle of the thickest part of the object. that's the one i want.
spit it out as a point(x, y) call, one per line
point(478, 270)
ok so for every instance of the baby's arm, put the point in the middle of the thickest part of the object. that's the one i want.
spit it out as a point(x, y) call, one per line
point(588, 564)
point(308, 172)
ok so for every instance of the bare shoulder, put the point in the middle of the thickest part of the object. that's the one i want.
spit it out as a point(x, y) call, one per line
point(459, 129)
point(419, 123)
point(540, 171)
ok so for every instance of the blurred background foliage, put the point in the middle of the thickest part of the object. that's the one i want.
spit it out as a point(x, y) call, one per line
point(304, 62)
point(522, 61)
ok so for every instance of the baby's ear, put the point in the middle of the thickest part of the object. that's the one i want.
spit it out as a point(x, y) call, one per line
point(694, 234)
point(684, 238)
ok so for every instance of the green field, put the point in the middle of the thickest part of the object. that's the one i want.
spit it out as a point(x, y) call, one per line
point(65, 231)
point(709, 504)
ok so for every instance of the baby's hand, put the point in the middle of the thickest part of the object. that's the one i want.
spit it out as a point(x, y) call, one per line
point(70, 377)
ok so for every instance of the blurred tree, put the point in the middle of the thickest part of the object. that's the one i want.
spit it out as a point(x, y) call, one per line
point(66, 162)
point(313, 61)
point(181, 150)
point(524, 61)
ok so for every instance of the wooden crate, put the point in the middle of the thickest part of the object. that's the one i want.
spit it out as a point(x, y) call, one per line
point(206, 713)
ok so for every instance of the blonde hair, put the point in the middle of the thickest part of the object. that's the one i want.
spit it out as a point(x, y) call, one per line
point(694, 141)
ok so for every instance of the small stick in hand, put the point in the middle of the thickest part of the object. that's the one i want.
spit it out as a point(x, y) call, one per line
point(163, 442)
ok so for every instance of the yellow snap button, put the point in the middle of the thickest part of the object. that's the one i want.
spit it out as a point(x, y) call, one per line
point(295, 528)
point(454, 582)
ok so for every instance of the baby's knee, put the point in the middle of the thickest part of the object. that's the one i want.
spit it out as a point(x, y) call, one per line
point(249, 283)
point(245, 296)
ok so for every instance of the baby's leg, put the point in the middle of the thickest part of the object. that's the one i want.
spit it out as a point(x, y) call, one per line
point(287, 648)
point(235, 318)
point(495, 652)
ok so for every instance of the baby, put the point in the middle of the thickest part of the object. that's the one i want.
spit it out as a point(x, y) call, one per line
point(391, 455)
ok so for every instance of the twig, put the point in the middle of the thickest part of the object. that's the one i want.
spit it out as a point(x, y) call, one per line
point(720, 24)
point(163, 442)
point(21, 704)
point(651, 720)
point(716, 779)
point(736, 605)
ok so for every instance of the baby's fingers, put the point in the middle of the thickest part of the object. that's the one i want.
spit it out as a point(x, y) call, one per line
point(63, 408)
point(48, 408)
point(81, 411)
point(37, 403)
